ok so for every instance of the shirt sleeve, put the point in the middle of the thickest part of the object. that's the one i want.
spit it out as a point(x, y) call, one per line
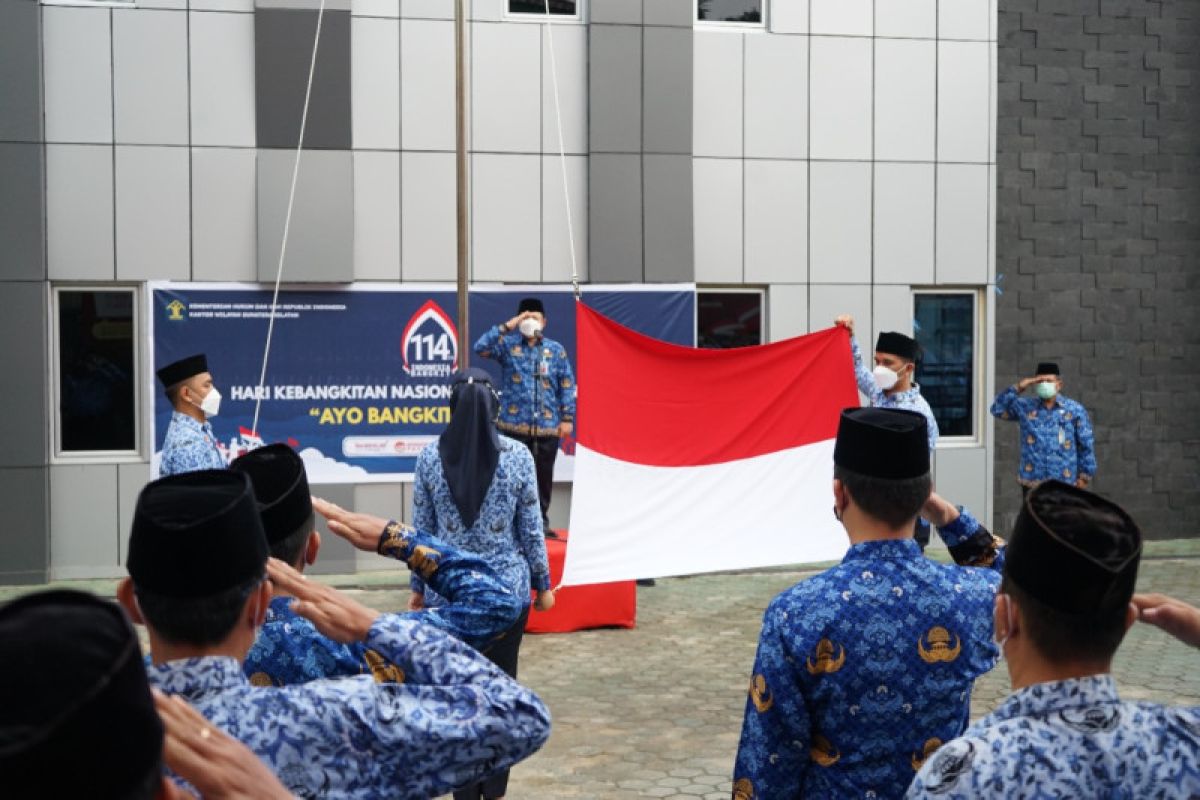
point(1007, 404)
point(492, 345)
point(479, 606)
point(862, 375)
point(1085, 443)
point(952, 773)
point(298, 655)
point(456, 717)
point(531, 539)
point(773, 752)
point(565, 387)
point(971, 544)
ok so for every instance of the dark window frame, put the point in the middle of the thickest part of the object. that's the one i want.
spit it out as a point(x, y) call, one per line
point(58, 428)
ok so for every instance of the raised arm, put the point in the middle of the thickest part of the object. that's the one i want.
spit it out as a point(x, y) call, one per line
point(1009, 404)
point(479, 606)
point(969, 542)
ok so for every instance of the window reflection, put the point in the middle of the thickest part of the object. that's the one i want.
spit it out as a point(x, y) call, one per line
point(729, 10)
point(566, 8)
point(96, 371)
point(945, 329)
point(728, 319)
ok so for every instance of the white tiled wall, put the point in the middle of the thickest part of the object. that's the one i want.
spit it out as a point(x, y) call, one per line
point(858, 138)
point(222, 79)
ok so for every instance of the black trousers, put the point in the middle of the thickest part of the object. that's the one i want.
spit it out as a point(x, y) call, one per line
point(503, 653)
point(545, 450)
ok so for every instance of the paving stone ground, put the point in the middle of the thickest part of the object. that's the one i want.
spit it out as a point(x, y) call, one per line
point(656, 711)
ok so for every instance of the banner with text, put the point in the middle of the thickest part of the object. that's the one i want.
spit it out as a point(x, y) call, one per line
point(357, 375)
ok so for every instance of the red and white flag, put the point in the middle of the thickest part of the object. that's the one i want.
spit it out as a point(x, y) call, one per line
point(692, 460)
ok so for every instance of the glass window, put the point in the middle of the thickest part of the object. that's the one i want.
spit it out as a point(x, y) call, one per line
point(96, 359)
point(563, 8)
point(729, 318)
point(744, 11)
point(945, 327)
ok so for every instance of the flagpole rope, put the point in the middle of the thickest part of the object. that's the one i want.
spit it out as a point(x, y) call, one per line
point(287, 219)
point(562, 155)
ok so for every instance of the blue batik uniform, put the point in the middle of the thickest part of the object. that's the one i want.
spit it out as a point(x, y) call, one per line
point(189, 446)
point(1072, 738)
point(455, 718)
point(864, 670)
point(1056, 442)
point(289, 649)
point(908, 400)
point(537, 387)
point(507, 534)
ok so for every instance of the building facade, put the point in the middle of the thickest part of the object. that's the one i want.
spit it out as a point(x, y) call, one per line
point(796, 159)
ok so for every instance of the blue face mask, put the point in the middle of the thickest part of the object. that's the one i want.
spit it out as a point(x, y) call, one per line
point(1046, 390)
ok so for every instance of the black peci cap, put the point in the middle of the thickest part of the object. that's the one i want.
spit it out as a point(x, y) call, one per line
point(196, 535)
point(886, 443)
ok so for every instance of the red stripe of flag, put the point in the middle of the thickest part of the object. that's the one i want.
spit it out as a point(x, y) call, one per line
point(650, 402)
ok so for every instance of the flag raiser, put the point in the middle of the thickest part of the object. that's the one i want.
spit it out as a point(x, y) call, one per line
point(693, 460)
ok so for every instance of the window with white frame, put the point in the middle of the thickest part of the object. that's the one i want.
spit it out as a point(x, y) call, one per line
point(729, 317)
point(564, 9)
point(737, 12)
point(946, 325)
point(95, 371)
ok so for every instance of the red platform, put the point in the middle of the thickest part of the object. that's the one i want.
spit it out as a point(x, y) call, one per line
point(577, 608)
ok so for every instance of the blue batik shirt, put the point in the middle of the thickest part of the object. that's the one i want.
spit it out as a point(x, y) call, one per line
point(537, 388)
point(1071, 738)
point(507, 534)
point(289, 649)
point(1056, 442)
point(908, 400)
point(189, 446)
point(454, 719)
point(864, 670)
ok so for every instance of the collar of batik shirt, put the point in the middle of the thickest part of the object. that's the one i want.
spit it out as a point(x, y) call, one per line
point(189, 422)
point(901, 549)
point(195, 677)
point(1042, 699)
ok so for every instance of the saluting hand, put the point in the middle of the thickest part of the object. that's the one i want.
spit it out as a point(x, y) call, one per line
point(1174, 616)
point(221, 767)
point(361, 530)
point(332, 612)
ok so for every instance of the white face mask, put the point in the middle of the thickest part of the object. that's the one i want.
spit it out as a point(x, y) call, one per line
point(211, 404)
point(885, 378)
point(530, 327)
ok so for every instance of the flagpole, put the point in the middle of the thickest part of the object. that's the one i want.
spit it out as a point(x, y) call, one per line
point(464, 353)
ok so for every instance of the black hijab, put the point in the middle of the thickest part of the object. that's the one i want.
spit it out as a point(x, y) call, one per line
point(470, 446)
